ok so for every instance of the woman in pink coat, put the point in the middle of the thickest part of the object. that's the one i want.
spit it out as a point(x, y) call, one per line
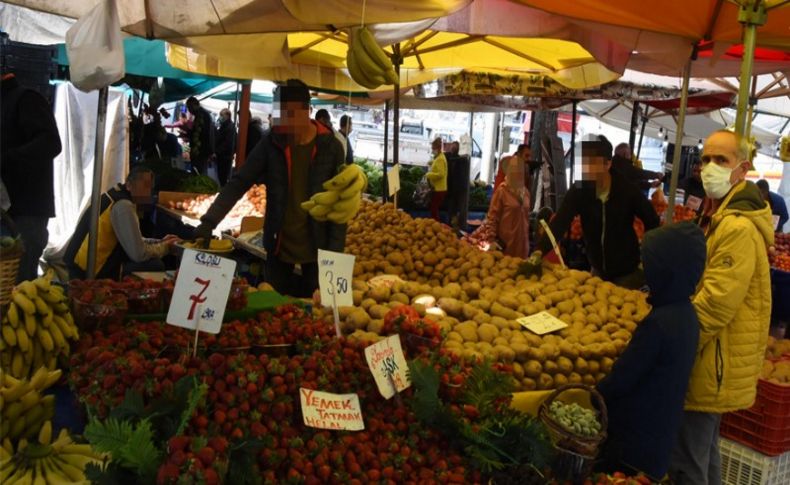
point(509, 212)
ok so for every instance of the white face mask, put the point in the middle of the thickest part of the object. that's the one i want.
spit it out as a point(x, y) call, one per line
point(716, 180)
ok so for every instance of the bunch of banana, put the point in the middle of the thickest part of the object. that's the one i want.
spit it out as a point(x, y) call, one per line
point(47, 462)
point(342, 199)
point(367, 63)
point(23, 407)
point(35, 328)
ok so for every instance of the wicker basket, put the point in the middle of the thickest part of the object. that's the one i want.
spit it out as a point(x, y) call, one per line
point(563, 439)
point(9, 263)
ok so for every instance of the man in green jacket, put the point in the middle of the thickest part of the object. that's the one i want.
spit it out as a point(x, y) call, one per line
point(733, 304)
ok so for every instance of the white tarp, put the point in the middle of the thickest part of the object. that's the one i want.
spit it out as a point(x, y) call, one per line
point(75, 113)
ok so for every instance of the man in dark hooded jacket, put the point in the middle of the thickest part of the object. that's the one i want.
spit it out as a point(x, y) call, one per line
point(645, 391)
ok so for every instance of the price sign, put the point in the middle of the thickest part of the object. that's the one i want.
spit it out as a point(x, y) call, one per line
point(388, 365)
point(331, 411)
point(201, 291)
point(335, 271)
point(693, 203)
point(541, 323)
point(775, 218)
point(393, 179)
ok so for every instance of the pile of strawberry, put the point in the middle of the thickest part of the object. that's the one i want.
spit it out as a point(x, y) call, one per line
point(418, 334)
point(256, 398)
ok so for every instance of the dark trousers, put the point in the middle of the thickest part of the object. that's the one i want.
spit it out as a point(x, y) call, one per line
point(436, 201)
point(224, 168)
point(281, 276)
point(34, 234)
point(696, 459)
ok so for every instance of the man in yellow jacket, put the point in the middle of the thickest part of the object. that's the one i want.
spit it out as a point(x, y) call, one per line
point(437, 177)
point(733, 303)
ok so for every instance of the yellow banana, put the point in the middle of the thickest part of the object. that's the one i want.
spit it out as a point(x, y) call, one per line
point(366, 64)
point(45, 338)
point(41, 306)
point(319, 212)
point(17, 475)
point(307, 205)
point(39, 378)
point(5, 429)
point(8, 446)
point(42, 284)
point(49, 296)
point(9, 335)
point(17, 427)
point(45, 435)
point(22, 340)
point(30, 324)
point(29, 400)
point(12, 411)
point(326, 198)
point(38, 356)
point(60, 308)
point(39, 478)
point(356, 188)
point(348, 205)
point(372, 49)
point(84, 450)
point(60, 323)
point(13, 315)
point(345, 178)
point(5, 357)
point(28, 288)
point(71, 471)
point(52, 361)
point(17, 364)
point(57, 337)
point(23, 302)
point(53, 377)
point(355, 72)
point(2, 403)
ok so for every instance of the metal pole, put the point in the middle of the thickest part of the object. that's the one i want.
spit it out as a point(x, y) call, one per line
point(673, 184)
point(98, 162)
point(244, 123)
point(573, 138)
point(641, 136)
point(386, 129)
point(634, 123)
point(396, 62)
point(751, 15)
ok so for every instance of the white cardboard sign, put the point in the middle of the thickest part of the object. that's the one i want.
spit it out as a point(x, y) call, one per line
point(335, 271)
point(393, 179)
point(201, 291)
point(693, 202)
point(388, 365)
point(542, 322)
point(775, 218)
point(331, 411)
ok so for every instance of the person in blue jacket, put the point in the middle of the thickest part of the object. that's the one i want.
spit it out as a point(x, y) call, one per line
point(777, 203)
point(645, 391)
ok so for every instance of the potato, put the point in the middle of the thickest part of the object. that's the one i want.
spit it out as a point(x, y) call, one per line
point(472, 355)
point(484, 348)
point(574, 378)
point(545, 381)
point(580, 366)
point(358, 296)
point(453, 336)
point(501, 340)
point(482, 317)
point(532, 368)
point(467, 330)
point(520, 350)
point(606, 365)
point(588, 379)
point(484, 305)
point(499, 310)
point(451, 306)
point(376, 326)
point(380, 293)
point(504, 353)
point(487, 332)
point(564, 365)
point(400, 297)
point(378, 311)
point(469, 311)
point(499, 323)
point(367, 303)
point(529, 384)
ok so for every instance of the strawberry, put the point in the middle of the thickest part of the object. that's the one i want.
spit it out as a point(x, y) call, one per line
point(207, 455)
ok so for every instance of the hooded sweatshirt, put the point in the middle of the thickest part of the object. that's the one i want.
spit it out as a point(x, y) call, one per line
point(733, 303)
point(644, 393)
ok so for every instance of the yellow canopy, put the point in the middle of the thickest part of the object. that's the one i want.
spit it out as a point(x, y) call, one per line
point(319, 58)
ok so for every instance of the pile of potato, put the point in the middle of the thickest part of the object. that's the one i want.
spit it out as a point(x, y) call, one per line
point(476, 298)
point(777, 372)
point(389, 241)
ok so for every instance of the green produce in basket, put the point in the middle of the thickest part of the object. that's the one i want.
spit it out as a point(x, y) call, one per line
point(575, 418)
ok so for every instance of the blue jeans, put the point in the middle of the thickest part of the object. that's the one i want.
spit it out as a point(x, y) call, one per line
point(696, 459)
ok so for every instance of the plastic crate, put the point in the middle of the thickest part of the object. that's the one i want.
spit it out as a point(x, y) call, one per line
point(765, 426)
point(743, 466)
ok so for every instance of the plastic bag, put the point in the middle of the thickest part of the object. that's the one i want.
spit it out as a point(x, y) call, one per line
point(422, 193)
point(95, 48)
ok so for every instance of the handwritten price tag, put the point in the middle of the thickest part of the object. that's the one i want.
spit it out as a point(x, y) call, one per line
point(335, 271)
point(693, 202)
point(541, 323)
point(201, 291)
point(388, 365)
point(331, 411)
point(393, 179)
